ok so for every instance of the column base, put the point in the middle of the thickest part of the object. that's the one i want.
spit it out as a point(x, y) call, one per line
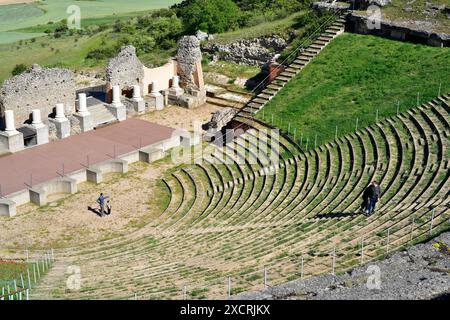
point(138, 105)
point(156, 101)
point(12, 141)
point(118, 110)
point(62, 128)
point(86, 121)
point(41, 134)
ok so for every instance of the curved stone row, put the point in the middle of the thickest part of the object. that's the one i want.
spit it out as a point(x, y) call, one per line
point(231, 218)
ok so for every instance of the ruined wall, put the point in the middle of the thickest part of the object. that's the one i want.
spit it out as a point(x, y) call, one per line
point(405, 30)
point(162, 74)
point(189, 58)
point(39, 88)
point(125, 69)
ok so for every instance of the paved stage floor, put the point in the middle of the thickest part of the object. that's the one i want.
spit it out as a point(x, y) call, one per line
point(45, 162)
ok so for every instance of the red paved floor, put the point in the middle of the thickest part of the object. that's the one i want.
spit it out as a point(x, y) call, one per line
point(45, 162)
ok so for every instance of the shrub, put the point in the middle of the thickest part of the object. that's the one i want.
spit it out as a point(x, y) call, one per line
point(19, 69)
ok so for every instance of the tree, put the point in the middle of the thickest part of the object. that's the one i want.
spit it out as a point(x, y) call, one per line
point(213, 16)
point(19, 69)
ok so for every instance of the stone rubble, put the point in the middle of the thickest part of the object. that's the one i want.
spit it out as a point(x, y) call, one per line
point(255, 52)
point(417, 273)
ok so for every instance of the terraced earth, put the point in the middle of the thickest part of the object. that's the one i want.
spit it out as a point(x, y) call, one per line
point(256, 216)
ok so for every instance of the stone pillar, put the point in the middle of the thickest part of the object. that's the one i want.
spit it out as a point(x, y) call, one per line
point(156, 98)
point(11, 140)
point(83, 115)
point(116, 107)
point(116, 95)
point(175, 90)
point(60, 116)
point(138, 102)
point(9, 122)
point(82, 105)
point(41, 129)
point(61, 122)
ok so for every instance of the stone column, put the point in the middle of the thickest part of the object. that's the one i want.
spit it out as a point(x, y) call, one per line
point(10, 127)
point(83, 115)
point(82, 105)
point(41, 128)
point(138, 102)
point(11, 140)
point(116, 107)
point(156, 98)
point(175, 90)
point(60, 116)
point(61, 122)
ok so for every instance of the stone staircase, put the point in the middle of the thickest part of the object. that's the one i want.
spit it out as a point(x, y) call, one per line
point(304, 57)
point(101, 115)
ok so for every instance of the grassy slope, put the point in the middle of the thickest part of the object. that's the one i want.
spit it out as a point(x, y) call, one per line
point(262, 29)
point(395, 11)
point(28, 15)
point(70, 53)
point(352, 78)
point(26, 18)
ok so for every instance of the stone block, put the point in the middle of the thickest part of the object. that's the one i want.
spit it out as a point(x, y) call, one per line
point(94, 175)
point(41, 134)
point(38, 195)
point(189, 139)
point(86, 122)
point(156, 101)
point(138, 105)
point(151, 154)
point(62, 128)
point(7, 208)
point(11, 141)
point(119, 111)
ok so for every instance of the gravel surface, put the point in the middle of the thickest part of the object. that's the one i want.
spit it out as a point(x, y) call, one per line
point(417, 273)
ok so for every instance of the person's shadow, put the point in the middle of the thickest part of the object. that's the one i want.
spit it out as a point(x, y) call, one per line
point(96, 211)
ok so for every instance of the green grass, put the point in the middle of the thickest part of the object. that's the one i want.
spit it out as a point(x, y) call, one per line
point(352, 78)
point(33, 17)
point(281, 26)
point(67, 52)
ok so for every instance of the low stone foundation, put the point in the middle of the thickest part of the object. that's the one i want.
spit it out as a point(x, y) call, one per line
point(411, 31)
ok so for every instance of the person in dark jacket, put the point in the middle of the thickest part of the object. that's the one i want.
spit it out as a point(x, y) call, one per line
point(367, 196)
point(375, 195)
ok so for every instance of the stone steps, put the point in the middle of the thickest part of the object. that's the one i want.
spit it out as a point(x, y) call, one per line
point(101, 115)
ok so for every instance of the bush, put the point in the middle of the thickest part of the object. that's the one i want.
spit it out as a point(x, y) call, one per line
point(19, 69)
point(212, 16)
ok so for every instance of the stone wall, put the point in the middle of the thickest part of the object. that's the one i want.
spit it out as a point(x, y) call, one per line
point(257, 52)
point(405, 30)
point(39, 88)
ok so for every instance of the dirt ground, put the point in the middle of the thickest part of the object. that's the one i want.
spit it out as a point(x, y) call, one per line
point(181, 118)
point(67, 221)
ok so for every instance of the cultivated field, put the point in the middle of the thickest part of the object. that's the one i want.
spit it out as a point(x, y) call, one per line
point(23, 15)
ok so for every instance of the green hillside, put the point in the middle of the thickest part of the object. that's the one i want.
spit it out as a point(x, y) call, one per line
point(352, 78)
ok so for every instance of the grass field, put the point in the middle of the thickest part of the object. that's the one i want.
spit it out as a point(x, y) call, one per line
point(28, 15)
point(64, 52)
point(263, 29)
point(352, 78)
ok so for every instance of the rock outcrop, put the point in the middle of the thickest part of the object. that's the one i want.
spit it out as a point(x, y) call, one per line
point(39, 88)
